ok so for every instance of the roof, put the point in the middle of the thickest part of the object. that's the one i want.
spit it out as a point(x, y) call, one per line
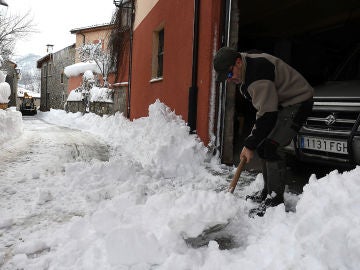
point(10, 62)
point(48, 57)
point(92, 27)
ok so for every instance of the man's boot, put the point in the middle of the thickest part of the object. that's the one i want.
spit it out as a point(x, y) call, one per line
point(260, 195)
point(257, 196)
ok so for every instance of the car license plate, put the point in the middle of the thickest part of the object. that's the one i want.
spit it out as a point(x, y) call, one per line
point(326, 145)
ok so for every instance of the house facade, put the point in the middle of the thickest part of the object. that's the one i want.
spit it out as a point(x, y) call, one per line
point(88, 35)
point(173, 46)
point(174, 43)
point(54, 83)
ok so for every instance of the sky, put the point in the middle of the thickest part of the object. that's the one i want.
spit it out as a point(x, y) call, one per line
point(149, 205)
point(55, 19)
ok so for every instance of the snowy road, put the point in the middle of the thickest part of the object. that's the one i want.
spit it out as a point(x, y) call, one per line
point(30, 166)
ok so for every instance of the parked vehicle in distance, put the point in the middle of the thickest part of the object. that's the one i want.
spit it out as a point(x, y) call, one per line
point(27, 106)
point(331, 135)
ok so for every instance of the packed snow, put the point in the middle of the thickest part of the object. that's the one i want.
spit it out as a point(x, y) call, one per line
point(146, 207)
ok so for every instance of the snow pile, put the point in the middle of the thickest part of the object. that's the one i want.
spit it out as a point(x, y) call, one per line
point(97, 94)
point(160, 142)
point(141, 209)
point(80, 68)
point(11, 125)
point(101, 94)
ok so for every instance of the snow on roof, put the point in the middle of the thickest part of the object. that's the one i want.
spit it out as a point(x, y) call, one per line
point(80, 68)
point(75, 30)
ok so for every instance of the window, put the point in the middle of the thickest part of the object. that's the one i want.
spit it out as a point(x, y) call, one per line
point(158, 54)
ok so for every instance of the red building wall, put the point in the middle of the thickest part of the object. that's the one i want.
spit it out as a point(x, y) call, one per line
point(74, 82)
point(177, 18)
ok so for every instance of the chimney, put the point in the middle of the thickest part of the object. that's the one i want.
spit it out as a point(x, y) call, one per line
point(49, 48)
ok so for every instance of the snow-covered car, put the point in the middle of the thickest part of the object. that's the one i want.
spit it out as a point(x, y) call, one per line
point(331, 135)
point(27, 106)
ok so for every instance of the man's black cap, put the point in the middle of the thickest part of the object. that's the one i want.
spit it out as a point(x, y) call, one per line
point(223, 60)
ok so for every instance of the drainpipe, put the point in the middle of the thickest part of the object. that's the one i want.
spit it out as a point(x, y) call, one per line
point(193, 90)
point(130, 56)
point(83, 37)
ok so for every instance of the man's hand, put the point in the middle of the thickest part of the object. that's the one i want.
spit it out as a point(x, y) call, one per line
point(246, 153)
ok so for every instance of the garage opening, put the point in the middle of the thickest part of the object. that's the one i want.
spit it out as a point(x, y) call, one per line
point(312, 36)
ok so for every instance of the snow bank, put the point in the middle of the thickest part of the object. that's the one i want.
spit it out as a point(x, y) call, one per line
point(11, 125)
point(101, 94)
point(160, 142)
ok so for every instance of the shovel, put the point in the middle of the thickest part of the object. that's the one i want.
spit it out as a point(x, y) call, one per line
point(236, 177)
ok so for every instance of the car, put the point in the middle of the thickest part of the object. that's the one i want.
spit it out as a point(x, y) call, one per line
point(331, 135)
point(27, 106)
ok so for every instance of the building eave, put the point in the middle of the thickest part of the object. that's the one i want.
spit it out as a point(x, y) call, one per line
point(92, 28)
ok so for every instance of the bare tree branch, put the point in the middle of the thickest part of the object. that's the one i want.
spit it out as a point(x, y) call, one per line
point(12, 29)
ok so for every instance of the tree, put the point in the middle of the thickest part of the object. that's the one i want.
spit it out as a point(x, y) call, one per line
point(94, 52)
point(31, 80)
point(12, 29)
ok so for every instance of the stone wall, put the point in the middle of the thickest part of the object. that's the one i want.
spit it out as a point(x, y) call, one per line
point(53, 81)
point(99, 108)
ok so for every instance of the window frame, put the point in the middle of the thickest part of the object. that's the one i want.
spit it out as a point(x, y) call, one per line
point(158, 51)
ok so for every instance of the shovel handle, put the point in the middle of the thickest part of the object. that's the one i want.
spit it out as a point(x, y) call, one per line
point(237, 175)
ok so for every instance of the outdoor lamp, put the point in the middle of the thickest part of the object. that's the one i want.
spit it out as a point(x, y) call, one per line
point(4, 3)
point(3, 8)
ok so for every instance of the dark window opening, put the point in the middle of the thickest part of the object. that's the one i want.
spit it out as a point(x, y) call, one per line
point(160, 55)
